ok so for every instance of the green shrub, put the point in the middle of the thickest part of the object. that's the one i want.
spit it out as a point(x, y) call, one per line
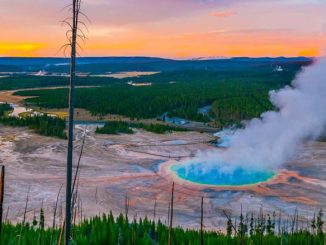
point(117, 127)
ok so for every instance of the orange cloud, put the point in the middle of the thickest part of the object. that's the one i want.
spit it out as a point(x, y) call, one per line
point(312, 51)
point(223, 14)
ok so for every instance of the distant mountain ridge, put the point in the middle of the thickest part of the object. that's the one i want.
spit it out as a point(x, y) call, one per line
point(101, 65)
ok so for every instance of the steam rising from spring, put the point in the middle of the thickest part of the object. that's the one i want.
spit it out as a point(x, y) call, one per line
point(271, 140)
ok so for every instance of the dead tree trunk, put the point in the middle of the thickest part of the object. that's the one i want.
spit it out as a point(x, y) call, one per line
point(2, 191)
point(73, 44)
point(55, 214)
point(7, 213)
point(202, 222)
point(24, 217)
point(171, 215)
point(169, 209)
point(154, 214)
point(126, 205)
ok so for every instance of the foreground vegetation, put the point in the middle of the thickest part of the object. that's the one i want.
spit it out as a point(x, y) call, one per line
point(41, 124)
point(118, 127)
point(234, 95)
point(109, 230)
point(4, 108)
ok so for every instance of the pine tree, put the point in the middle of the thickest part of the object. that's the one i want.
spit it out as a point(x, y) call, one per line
point(320, 223)
point(229, 227)
point(241, 229)
point(273, 222)
point(34, 222)
point(313, 224)
point(269, 226)
point(41, 223)
point(251, 225)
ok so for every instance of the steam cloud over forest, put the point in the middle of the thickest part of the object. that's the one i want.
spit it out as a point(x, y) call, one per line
point(271, 140)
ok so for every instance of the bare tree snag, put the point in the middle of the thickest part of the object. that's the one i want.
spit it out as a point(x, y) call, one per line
point(171, 215)
point(2, 192)
point(154, 214)
point(202, 222)
point(74, 28)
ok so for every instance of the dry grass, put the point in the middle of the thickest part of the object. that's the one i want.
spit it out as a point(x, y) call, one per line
point(121, 75)
point(8, 138)
point(60, 114)
point(25, 114)
point(9, 97)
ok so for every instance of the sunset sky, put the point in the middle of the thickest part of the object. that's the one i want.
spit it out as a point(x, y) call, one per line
point(169, 28)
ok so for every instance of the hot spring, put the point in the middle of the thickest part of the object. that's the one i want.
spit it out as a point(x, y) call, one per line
point(197, 173)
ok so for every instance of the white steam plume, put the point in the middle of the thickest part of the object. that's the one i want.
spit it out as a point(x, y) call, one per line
point(271, 140)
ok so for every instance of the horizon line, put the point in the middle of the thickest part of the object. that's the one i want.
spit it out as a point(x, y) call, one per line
point(166, 58)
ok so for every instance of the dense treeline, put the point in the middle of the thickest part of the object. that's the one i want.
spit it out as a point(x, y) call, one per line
point(233, 110)
point(236, 95)
point(117, 127)
point(26, 82)
point(158, 128)
point(109, 230)
point(43, 125)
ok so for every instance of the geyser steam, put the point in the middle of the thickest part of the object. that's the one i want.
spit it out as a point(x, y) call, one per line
point(269, 141)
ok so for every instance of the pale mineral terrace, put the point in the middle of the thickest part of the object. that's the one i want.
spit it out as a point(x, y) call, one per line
point(114, 167)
